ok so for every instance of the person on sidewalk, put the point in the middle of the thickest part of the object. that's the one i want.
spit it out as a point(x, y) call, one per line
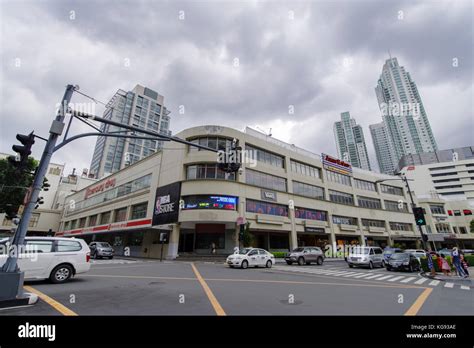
point(457, 262)
point(465, 266)
point(431, 265)
point(444, 265)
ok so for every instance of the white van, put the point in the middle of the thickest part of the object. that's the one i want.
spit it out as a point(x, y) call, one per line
point(56, 259)
point(366, 256)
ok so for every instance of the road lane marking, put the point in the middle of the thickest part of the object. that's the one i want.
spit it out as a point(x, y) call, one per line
point(409, 279)
point(215, 304)
point(416, 306)
point(421, 281)
point(395, 279)
point(434, 282)
point(362, 275)
point(385, 277)
point(352, 274)
point(448, 285)
point(136, 277)
point(374, 276)
point(53, 303)
point(464, 287)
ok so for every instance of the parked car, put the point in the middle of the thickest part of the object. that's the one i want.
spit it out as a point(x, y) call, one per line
point(365, 256)
point(388, 252)
point(445, 252)
point(101, 249)
point(53, 258)
point(251, 257)
point(419, 253)
point(467, 251)
point(305, 255)
point(403, 262)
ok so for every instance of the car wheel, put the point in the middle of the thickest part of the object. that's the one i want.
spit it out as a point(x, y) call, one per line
point(319, 261)
point(61, 274)
point(301, 261)
point(111, 257)
point(351, 265)
point(244, 264)
point(371, 265)
point(289, 262)
point(269, 264)
point(389, 268)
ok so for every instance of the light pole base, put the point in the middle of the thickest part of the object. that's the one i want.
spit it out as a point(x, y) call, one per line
point(12, 285)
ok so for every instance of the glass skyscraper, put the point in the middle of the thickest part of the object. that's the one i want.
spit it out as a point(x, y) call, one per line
point(141, 107)
point(406, 124)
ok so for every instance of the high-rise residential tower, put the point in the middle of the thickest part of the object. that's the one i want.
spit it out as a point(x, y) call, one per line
point(350, 142)
point(384, 150)
point(141, 107)
point(403, 114)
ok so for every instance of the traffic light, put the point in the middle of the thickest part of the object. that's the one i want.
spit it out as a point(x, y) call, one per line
point(23, 151)
point(418, 212)
point(39, 201)
point(425, 237)
point(241, 233)
point(231, 161)
point(45, 186)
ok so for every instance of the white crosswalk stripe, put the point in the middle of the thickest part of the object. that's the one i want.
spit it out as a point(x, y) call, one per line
point(374, 276)
point(448, 285)
point(362, 275)
point(409, 279)
point(464, 287)
point(421, 281)
point(385, 277)
point(434, 282)
point(395, 279)
point(351, 274)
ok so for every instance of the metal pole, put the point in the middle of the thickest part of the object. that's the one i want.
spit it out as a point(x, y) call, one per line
point(405, 180)
point(55, 132)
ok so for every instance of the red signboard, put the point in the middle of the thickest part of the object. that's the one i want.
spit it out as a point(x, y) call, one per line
point(100, 187)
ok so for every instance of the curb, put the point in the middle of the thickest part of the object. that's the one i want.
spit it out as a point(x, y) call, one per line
point(457, 279)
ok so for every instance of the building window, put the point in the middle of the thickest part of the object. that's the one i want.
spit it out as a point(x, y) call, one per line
point(442, 228)
point(82, 222)
point(105, 218)
point(268, 181)
point(310, 214)
point(266, 208)
point(139, 211)
point(400, 226)
point(305, 169)
point(373, 223)
point(213, 142)
point(467, 212)
point(34, 220)
point(120, 215)
point(340, 197)
point(392, 190)
point(396, 206)
point(441, 168)
point(444, 174)
point(207, 171)
point(73, 224)
point(338, 178)
point(344, 220)
point(462, 230)
point(265, 156)
point(93, 220)
point(437, 209)
point(66, 225)
point(371, 203)
point(365, 185)
point(457, 213)
point(307, 190)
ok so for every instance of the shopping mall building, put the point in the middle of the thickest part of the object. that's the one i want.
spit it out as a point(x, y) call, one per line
point(286, 196)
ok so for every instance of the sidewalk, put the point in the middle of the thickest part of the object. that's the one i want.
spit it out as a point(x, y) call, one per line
point(452, 278)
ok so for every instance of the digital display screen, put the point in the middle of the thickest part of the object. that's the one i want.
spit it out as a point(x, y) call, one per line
point(210, 202)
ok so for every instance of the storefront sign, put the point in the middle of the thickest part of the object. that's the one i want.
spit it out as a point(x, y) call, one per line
point(336, 165)
point(314, 230)
point(210, 202)
point(100, 187)
point(450, 236)
point(269, 195)
point(166, 209)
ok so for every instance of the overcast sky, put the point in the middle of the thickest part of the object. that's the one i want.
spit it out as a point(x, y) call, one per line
point(243, 63)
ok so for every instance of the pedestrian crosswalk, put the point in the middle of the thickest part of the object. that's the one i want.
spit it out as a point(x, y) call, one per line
point(373, 276)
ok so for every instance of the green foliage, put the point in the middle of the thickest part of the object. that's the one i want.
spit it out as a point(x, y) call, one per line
point(472, 226)
point(397, 245)
point(13, 185)
point(248, 237)
point(279, 254)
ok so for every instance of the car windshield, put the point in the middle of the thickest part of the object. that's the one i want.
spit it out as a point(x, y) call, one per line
point(400, 256)
point(360, 251)
point(244, 251)
point(104, 245)
point(298, 250)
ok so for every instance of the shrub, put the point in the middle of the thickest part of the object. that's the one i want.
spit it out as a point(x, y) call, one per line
point(424, 262)
point(279, 254)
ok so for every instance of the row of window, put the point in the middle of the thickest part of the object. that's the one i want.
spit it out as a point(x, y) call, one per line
point(265, 156)
point(305, 169)
point(338, 178)
point(207, 171)
point(137, 211)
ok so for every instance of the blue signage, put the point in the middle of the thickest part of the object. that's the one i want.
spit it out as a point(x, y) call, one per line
point(210, 202)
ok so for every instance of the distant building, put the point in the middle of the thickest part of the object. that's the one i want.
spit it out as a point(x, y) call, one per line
point(350, 142)
point(383, 149)
point(141, 107)
point(404, 117)
point(460, 153)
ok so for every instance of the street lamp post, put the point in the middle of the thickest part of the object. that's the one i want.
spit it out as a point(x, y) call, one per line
point(413, 205)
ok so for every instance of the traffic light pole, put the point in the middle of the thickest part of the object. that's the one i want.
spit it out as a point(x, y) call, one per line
point(55, 131)
point(405, 180)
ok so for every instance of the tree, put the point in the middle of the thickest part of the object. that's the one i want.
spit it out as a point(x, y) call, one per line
point(248, 237)
point(14, 185)
point(472, 226)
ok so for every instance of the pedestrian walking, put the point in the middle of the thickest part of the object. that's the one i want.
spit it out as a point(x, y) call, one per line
point(455, 254)
point(431, 265)
point(465, 266)
point(444, 265)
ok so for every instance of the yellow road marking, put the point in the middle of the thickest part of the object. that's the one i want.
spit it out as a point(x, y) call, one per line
point(137, 277)
point(53, 303)
point(415, 307)
point(215, 304)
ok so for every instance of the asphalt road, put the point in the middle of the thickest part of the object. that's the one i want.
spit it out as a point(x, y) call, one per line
point(183, 288)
